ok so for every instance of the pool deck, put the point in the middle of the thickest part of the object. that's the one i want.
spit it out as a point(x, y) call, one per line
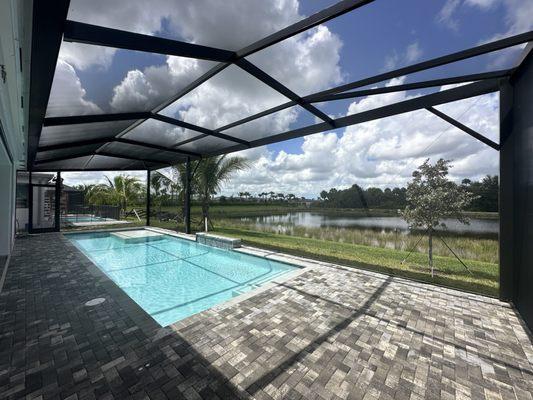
point(328, 333)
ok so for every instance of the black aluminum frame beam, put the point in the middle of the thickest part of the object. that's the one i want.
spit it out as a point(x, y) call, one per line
point(148, 197)
point(122, 39)
point(464, 128)
point(184, 153)
point(435, 62)
point(129, 157)
point(433, 99)
point(316, 19)
point(85, 119)
point(79, 32)
point(209, 132)
point(257, 116)
point(101, 153)
point(47, 31)
point(280, 88)
point(44, 169)
point(416, 85)
point(439, 61)
point(65, 157)
point(325, 15)
point(88, 142)
point(334, 11)
point(373, 91)
point(91, 118)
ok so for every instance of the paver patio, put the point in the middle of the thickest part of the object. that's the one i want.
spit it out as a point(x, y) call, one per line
point(329, 333)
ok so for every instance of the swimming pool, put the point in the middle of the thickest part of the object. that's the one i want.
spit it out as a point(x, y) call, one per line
point(173, 278)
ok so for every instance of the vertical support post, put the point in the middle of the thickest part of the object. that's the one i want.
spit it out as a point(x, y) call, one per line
point(517, 190)
point(187, 199)
point(148, 197)
point(57, 213)
point(506, 195)
point(30, 203)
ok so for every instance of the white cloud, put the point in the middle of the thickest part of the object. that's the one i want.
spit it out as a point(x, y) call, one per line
point(447, 14)
point(82, 56)
point(185, 20)
point(378, 153)
point(518, 14)
point(67, 96)
point(306, 63)
point(412, 53)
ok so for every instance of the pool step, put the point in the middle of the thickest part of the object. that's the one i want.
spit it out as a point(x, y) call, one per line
point(138, 236)
point(243, 290)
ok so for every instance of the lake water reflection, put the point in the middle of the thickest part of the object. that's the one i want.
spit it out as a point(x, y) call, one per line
point(320, 220)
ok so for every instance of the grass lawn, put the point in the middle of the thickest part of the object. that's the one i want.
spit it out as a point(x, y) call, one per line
point(449, 272)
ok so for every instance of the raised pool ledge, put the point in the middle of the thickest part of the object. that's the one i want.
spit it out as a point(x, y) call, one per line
point(221, 242)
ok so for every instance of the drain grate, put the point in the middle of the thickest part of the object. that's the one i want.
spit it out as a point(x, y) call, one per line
point(95, 302)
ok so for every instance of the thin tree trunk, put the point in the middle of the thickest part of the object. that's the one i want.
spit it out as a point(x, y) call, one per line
point(431, 252)
point(205, 214)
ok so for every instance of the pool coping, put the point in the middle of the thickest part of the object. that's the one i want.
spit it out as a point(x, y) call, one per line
point(142, 318)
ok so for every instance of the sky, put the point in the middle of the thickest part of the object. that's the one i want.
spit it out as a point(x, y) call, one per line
point(378, 37)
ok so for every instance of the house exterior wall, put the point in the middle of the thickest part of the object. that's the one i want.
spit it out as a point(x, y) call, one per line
point(15, 35)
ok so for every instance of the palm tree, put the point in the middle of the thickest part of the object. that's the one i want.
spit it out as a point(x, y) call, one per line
point(85, 189)
point(211, 174)
point(121, 191)
point(159, 183)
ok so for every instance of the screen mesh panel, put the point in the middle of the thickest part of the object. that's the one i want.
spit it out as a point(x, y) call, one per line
point(262, 69)
point(206, 145)
point(160, 133)
point(72, 151)
point(52, 135)
point(104, 162)
point(98, 80)
point(135, 151)
point(229, 96)
point(73, 163)
point(281, 121)
point(192, 21)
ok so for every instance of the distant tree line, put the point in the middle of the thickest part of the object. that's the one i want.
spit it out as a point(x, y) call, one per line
point(484, 192)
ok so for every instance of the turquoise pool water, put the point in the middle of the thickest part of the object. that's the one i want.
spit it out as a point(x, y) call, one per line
point(173, 278)
point(83, 218)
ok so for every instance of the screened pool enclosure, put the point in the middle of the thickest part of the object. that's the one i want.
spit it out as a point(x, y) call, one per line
point(150, 134)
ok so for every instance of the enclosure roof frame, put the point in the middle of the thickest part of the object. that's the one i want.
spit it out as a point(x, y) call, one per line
point(51, 27)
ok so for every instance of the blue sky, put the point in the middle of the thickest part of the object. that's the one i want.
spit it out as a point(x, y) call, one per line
point(375, 38)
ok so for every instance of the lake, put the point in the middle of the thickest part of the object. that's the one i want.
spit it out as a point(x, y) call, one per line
point(310, 219)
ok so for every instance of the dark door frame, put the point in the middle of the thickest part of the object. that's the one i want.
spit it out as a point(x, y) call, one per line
point(57, 204)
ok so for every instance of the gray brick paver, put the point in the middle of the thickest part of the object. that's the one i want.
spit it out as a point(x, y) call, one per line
point(329, 333)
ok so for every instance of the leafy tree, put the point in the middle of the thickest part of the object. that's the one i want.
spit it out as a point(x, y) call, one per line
point(431, 197)
point(486, 193)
